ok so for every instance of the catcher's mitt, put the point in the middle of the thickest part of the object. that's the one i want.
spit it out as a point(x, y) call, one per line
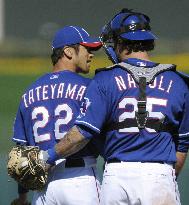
point(26, 167)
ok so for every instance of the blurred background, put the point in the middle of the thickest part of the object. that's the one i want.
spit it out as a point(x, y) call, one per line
point(26, 31)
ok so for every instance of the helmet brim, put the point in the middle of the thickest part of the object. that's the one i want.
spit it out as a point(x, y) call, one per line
point(139, 35)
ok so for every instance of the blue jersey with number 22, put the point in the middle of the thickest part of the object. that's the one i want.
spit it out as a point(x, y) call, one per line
point(48, 110)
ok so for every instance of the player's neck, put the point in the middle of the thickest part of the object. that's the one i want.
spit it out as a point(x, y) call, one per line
point(139, 55)
point(64, 66)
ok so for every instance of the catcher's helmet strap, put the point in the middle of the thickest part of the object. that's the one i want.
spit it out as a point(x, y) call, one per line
point(110, 52)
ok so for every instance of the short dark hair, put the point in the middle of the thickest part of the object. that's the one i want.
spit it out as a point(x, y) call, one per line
point(59, 53)
point(135, 46)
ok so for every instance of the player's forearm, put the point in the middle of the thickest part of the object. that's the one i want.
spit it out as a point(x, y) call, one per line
point(181, 157)
point(75, 148)
point(72, 142)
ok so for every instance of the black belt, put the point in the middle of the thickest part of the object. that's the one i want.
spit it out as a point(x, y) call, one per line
point(118, 161)
point(75, 163)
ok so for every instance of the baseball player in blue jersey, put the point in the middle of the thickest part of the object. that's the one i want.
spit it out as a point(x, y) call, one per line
point(48, 110)
point(142, 109)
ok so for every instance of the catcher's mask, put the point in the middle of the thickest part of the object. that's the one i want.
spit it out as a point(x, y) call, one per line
point(125, 25)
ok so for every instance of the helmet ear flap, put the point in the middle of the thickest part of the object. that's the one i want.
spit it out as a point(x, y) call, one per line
point(109, 50)
point(107, 33)
point(111, 54)
point(108, 36)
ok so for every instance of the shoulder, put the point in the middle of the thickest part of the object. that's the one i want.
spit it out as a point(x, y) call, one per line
point(107, 73)
point(184, 76)
point(177, 75)
point(179, 80)
point(72, 77)
point(107, 69)
point(37, 82)
point(83, 79)
point(80, 80)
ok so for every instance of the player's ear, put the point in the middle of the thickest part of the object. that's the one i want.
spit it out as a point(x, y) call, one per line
point(68, 52)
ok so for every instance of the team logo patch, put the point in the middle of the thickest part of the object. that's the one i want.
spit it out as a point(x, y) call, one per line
point(132, 27)
point(141, 63)
point(54, 76)
point(84, 106)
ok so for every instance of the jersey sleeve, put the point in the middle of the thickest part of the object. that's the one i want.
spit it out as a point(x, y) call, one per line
point(19, 135)
point(183, 139)
point(93, 111)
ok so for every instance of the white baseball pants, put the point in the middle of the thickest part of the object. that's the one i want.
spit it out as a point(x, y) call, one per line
point(71, 186)
point(136, 183)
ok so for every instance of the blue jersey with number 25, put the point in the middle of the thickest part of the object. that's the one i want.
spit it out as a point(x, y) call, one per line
point(112, 97)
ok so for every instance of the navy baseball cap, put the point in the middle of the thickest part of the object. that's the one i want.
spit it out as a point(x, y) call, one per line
point(133, 26)
point(70, 35)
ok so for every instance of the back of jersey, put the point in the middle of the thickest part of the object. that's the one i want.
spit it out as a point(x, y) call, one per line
point(49, 108)
point(166, 98)
point(114, 94)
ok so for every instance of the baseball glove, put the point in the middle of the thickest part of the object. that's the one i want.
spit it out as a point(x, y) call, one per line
point(25, 166)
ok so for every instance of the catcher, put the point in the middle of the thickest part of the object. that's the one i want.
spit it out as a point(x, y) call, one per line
point(47, 111)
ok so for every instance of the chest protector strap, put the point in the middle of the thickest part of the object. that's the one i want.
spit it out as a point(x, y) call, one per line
point(142, 77)
point(142, 114)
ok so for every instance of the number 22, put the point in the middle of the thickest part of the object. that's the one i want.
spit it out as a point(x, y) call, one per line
point(45, 119)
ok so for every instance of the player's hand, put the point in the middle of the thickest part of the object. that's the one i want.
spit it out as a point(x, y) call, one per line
point(48, 166)
point(21, 200)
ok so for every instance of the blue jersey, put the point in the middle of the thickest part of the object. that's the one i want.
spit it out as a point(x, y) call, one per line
point(112, 97)
point(48, 110)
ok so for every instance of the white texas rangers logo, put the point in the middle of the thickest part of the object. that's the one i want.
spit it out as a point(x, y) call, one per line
point(84, 106)
point(54, 76)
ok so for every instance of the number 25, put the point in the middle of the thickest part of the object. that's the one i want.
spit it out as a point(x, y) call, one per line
point(149, 107)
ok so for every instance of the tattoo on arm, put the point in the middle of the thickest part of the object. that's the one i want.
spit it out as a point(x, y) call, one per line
point(76, 148)
point(72, 142)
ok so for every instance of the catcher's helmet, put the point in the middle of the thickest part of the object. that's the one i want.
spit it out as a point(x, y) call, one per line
point(128, 25)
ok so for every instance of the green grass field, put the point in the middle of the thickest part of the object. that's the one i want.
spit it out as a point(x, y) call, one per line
point(15, 76)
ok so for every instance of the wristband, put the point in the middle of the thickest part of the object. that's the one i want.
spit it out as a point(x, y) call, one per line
point(52, 156)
